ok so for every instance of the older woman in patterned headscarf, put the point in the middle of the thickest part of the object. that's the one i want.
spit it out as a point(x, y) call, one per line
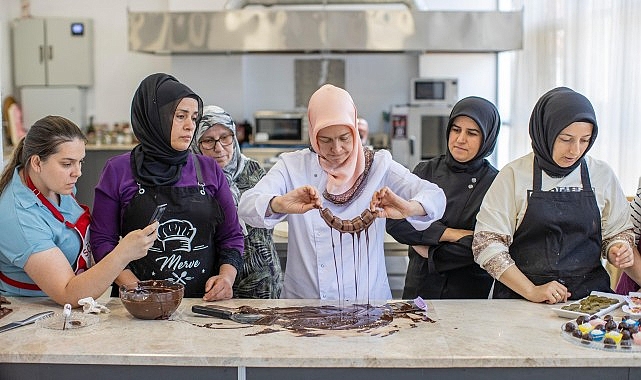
point(261, 275)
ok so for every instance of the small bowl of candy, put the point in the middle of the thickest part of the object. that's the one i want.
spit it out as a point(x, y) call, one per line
point(152, 299)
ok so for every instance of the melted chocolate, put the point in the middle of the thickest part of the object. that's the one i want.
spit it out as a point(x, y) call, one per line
point(311, 321)
point(159, 303)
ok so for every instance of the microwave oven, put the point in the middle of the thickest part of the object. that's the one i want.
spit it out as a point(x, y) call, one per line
point(281, 128)
point(436, 92)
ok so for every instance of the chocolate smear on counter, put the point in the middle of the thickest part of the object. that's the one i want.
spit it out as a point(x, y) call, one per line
point(312, 321)
point(4, 310)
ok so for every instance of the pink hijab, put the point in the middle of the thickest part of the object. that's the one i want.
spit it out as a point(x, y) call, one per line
point(329, 106)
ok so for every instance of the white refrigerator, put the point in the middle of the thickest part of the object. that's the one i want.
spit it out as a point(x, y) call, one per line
point(38, 102)
point(418, 133)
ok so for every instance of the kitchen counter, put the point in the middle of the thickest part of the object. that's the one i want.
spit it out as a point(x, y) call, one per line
point(469, 339)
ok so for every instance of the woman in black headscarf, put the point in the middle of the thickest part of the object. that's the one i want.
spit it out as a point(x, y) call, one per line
point(550, 217)
point(441, 264)
point(200, 241)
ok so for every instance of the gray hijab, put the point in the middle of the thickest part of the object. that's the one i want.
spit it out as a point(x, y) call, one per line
point(213, 115)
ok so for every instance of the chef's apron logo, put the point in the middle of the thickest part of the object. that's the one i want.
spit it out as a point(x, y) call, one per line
point(175, 237)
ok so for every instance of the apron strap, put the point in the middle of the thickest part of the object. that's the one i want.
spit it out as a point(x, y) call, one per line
point(537, 176)
point(199, 175)
point(585, 177)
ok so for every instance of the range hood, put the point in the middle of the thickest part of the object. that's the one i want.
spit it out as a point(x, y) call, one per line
point(273, 30)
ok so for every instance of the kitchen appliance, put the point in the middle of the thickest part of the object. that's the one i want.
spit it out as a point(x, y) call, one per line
point(281, 128)
point(40, 101)
point(321, 29)
point(437, 92)
point(418, 133)
point(418, 129)
point(52, 51)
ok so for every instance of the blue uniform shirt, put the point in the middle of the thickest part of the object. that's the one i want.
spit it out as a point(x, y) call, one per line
point(28, 227)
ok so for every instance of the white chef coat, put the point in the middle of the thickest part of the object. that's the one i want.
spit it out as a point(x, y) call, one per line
point(313, 248)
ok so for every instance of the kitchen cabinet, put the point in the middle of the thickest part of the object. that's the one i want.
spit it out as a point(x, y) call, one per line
point(52, 52)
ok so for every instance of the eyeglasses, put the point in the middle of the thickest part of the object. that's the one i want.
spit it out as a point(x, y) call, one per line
point(210, 143)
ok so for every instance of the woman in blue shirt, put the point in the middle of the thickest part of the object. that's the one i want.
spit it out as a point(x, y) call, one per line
point(43, 248)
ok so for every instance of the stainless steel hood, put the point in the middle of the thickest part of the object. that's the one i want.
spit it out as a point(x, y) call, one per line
point(272, 30)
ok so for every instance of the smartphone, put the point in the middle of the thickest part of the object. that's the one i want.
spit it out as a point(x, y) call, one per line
point(160, 209)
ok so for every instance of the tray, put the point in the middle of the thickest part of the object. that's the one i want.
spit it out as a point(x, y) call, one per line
point(634, 299)
point(574, 314)
point(597, 345)
point(633, 306)
point(634, 312)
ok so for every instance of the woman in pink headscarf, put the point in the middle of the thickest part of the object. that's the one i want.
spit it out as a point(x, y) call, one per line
point(339, 174)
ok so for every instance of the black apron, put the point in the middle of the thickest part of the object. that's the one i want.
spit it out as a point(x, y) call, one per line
point(184, 252)
point(424, 278)
point(560, 239)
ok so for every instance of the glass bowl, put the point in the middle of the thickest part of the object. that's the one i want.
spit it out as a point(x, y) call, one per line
point(152, 299)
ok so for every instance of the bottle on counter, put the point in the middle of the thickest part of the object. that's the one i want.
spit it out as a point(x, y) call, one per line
point(91, 132)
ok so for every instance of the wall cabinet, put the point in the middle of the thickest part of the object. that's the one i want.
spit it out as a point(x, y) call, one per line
point(52, 52)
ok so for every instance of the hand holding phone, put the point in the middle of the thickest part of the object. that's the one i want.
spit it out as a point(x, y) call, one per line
point(160, 209)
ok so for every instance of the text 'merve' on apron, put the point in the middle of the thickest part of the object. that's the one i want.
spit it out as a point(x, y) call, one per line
point(184, 252)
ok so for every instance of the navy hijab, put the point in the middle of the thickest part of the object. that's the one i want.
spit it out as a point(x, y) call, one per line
point(154, 162)
point(553, 112)
point(486, 116)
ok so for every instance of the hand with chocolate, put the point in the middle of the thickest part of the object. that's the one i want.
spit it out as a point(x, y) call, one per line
point(297, 201)
point(389, 205)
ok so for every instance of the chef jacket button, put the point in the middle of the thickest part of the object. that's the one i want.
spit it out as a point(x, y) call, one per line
point(470, 186)
point(322, 265)
point(315, 175)
point(473, 180)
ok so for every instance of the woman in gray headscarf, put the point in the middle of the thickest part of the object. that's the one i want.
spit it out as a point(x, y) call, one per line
point(261, 275)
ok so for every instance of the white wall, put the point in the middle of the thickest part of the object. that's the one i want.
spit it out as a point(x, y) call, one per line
point(245, 83)
point(117, 71)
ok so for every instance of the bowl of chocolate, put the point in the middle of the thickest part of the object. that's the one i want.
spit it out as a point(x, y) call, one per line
point(152, 299)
